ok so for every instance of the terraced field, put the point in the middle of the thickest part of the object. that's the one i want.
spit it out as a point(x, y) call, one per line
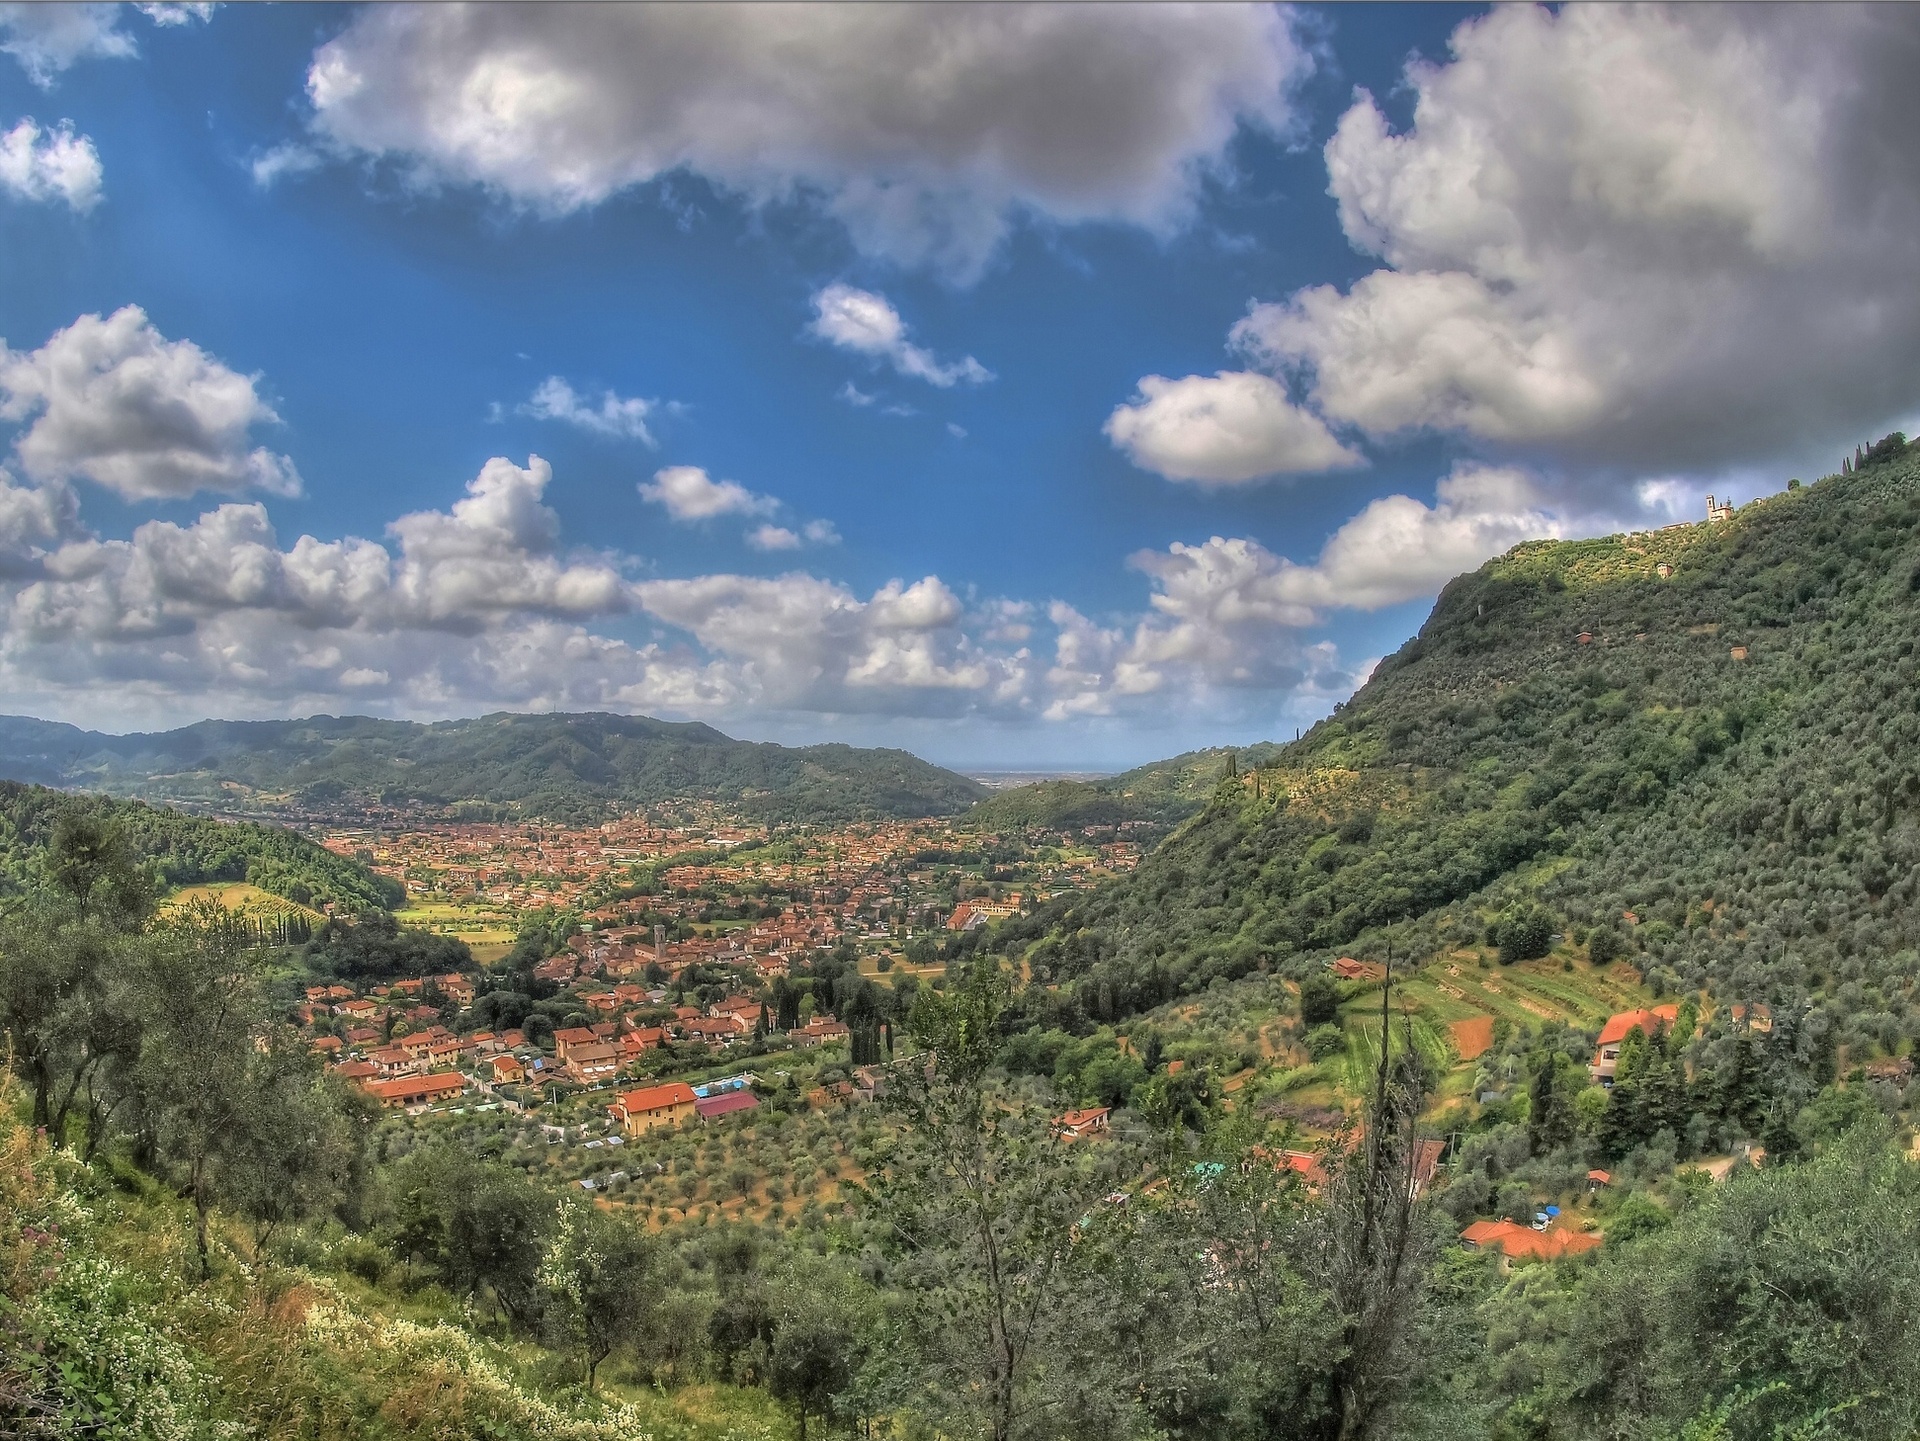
point(1452, 1007)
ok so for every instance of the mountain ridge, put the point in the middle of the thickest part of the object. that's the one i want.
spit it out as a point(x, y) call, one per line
point(558, 765)
point(1703, 742)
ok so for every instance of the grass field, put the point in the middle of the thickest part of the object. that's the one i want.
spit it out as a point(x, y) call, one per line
point(476, 925)
point(239, 896)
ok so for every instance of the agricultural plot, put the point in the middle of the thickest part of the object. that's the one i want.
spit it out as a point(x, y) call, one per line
point(1451, 1008)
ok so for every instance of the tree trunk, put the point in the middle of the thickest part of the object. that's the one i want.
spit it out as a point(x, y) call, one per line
point(198, 1189)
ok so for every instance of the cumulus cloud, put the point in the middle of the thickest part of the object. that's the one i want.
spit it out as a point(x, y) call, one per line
point(623, 417)
point(867, 324)
point(924, 129)
point(168, 15)
point(689, 493)
point(1629, 236)
point(116, 402)
point(54, 164)
point(773, 537)
point(1224, 429)
point(46, 39)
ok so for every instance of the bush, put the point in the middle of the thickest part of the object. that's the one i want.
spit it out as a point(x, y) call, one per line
point(1523, 935)
point(1319, 1001)
point(1605, 946)
point(1325, 1041)
point(1636, 1216)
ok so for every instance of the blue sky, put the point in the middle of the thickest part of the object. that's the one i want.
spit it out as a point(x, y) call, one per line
point(1022, 387)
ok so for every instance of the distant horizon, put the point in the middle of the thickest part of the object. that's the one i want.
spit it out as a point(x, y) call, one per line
point(974, 769)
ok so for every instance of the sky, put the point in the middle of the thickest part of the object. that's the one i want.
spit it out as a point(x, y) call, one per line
point(1023, 386)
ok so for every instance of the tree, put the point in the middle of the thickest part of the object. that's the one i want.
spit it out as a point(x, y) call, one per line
point(1550, 1118)
point(980, 1201)
point(203, 1010)
point(1319, 1001)
point(65, 962)
point(821, 1316)
point(481, 1226)
point(602, 1279)
point(1372, 1247)
point(1523, 934)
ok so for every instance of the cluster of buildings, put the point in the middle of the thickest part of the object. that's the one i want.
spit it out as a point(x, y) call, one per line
point(404, 1056)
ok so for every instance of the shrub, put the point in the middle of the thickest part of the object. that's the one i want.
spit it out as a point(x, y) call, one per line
point(1523, 935)
point(1319, 1001)
point(1325, 1041)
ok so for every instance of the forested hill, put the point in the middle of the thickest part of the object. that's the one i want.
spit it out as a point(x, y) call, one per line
point(1700, 745)
point(558, 766)
point(189, 850)
point(1163, 792)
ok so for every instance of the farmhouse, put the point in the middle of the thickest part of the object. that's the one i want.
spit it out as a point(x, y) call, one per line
point(409, 1091)
point(1606, 1056)
point(640, 1111)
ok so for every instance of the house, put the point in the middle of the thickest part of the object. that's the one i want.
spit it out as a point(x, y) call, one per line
point(642, 1110)
point(507, 1070)
point(565, 1041)
point(357, 1071)
point(1613, 1035)
point(1082, 1122)
point(717, 1030)
point(818, 1030)
point(512, 1040)
point(328, 1045)
point(1517, 1242)
point(1307, 1166)
point(1348, 969)
point(594, 1063)
point(728, 1103)
point(411, 1091)
point(635, 1044)
point(1598, 1180)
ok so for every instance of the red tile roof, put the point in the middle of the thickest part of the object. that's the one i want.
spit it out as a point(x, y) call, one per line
point(1618, 1027)
point(1523, 1241)
point(657, 1098)
point(725, 1104)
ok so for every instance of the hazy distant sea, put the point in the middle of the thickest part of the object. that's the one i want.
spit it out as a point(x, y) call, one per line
point(1007, 780)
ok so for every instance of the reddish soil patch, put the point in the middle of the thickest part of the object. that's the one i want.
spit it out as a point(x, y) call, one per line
point(1472, 1039)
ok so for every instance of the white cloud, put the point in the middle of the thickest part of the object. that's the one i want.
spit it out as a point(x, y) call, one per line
point(623, 417)
point(1226, 429)
point(820, 532)
point(46, 39)
point(924, 129)
point(268, 167)
point(1630, 236)
point(118, 403)
point(773, 537)
point(689, 493)
point(854, 395)
point(166, 15)
point(867, 324)
point(55, 164)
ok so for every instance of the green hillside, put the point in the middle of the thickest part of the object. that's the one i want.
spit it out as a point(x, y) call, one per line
point(187, 850)
point(1575, 729)
point(1160, 793)
point(558, 766)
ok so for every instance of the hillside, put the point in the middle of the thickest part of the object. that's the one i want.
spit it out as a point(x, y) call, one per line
point(1161, 793)
point(190, 850)
point(547, 765)
point(1694, 746)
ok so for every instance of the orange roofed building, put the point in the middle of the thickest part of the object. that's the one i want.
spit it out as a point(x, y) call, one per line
point(417, 1090)
point(1606, 1056)
point(640, 1111)
point(1517, 1242)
